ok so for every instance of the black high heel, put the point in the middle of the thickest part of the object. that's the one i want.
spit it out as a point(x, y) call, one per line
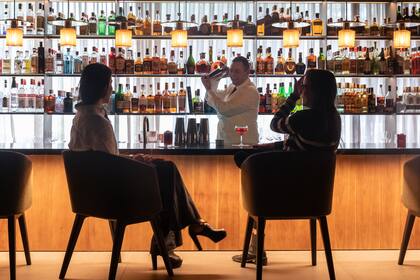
point(215, 235)
point(176, 261)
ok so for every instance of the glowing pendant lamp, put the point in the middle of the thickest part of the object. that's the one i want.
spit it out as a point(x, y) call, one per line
point(346, 37)
point(402, 37)
point(14, 34)
point(291, 36)
point(235, 35)
point(68, 35)
point(179, 36)
point(123, 37)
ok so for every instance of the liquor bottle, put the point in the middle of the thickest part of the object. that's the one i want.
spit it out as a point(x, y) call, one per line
point(260, 22)
point(274, 99)
point(374, 28)
point(30, 19)
point(317, 26)
point(172, 66)
point(5, 100)
point(84, 29)
point(380, 100)
point(157, 26)
point(49, 102)
point(127, 99)
point(367, 64)
point(129, 63)
point(181, 64)
point(330, 59)
point(290, 64)
point(279, 70)
point(34, 61)
point(150, 100)
point(197, 103)
point(120, 17)
point(190, 63)
point(139, 22)
point(210, 56)
point(167, 29)
point(223, 58)
point(14, 95)
point(300, 66)
point(261, 107)
point(345, 68)
point(68, 103)
point(131, 19)
point(41, 58)
point(173, 96)
point(321, 59)
point(311, 59)
point(102, 57)
point(407, 63)
point(120, 62)
point(202, 66)
point(143, 100)
point(158, 99)
point(111, 60)
point(250, 28)
point(18, 63)
point(275, 18)
point(147, 63)
point(260, 61)
point(250, 62)
point(267, 22)
point(390, 100)
point(92, 24)
point(21, 97)
point(40, 19)
point(399, 15)
point(182, 97)
point(166, 99)
point(27, 64)
point(268, 62)
point(138, 64)
point(93, 57)
point(193, 30)
point(156, 62)
point(134, 108)
point(267, 98)
point(223, 28)
point(215, 27)
point(85, 58)
point(205, 27)
point(163, 62)
point(147, 24)
point(119, 100)
point(77, 63)
point(102, 24)
point(382, 63)
point(306, 31)
point(111, 28)
point(68, 62)
point(4, 25)
point(6, 64)
point(60, 16)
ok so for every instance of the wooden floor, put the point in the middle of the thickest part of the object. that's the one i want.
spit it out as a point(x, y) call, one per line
point(217, 265)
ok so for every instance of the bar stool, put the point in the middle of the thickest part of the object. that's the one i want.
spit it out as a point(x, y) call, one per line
point(114, 188)
point(411, 200)
point(288, 185)
point(15, 199)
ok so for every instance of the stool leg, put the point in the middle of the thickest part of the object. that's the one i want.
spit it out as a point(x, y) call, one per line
point(77, 226)
point(260, 246)
point(112, 227)
point(116, 249)
point(326, 238)
point(406, 238)
point(162, 248)
point(25, 241)
point(312, 224)
point(248, 232)
point(11, 222)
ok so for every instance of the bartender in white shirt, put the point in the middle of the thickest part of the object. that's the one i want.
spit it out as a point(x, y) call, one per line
point(236, 105)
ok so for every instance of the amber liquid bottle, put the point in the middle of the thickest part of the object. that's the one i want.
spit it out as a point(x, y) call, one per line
point(158, 99)
point(202, 65)
point(147, 63)
point(317, 26)
point(166, 101)
point(147, 25)
point(260, 62)
point(269, 62)
point(311, 59)
point(156, 62)
point(157, 26)
point(290, 64)
point(173, 98)
point(260, 22)
point(182, 97)
point(193, 30)
point(172, 67)
point(205, 28)
point(279, 70)
point(163, 63)
point(215, 28)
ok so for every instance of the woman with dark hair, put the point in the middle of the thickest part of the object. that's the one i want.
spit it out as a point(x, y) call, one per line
point(92, 130)
point(315, 128)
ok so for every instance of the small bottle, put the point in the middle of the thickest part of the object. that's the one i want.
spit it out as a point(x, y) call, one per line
point(68, 103)
point(40, 19)
point(279, 70)
point(138, 64)
point(172, 66)
point(268, 62)
point(311, 59)
point(202, 66)
point(290, 64)
point(49, 102)
point(85, 58)
point(205, 27)
point(300, 66)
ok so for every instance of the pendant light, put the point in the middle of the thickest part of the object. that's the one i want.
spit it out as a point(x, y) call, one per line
point(68, 31)
point(235, 34)
point(179, 34)
point(14, 34)
point(123, 36)
point(402, 37)
point(291, 34)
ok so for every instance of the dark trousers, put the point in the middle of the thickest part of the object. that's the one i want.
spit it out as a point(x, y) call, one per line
point(179, 210)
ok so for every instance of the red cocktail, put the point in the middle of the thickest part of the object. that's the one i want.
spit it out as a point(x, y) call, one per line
point(241, 130)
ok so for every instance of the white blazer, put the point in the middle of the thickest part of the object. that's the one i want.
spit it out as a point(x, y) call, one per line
point(235, 107)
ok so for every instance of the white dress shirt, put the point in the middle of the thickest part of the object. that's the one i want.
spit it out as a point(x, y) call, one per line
point(237, 105)
point(92, 130)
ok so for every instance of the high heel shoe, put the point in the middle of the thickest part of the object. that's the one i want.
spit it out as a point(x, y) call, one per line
point(215, 235)
point(176, 261)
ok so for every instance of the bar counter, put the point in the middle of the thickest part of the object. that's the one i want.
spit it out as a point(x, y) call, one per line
point(367, 210)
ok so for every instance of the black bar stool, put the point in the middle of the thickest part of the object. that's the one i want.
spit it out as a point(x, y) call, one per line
point(411, 200)
point(288, 185)
point(114, 188)
point(15, 199)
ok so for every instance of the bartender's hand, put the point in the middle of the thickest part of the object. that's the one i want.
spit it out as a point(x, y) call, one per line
point(206, 82)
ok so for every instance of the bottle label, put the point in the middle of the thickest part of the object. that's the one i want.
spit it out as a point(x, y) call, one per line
point(269, 67)
point(138, 68)
point(129, 66)
point(120, 65)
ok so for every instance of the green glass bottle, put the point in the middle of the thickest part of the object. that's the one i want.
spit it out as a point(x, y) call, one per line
point(190, 63)
point(119, 99)
point(102, 24)
point(111, 28)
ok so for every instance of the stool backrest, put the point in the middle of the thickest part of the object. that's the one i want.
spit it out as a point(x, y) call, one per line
point(288, 184)
point(411, 185)
point(111, 187)
point(15, 192)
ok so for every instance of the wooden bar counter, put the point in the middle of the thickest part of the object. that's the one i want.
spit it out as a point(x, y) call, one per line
point(367, 209)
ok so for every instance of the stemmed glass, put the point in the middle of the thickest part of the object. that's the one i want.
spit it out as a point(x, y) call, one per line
point(241, 130)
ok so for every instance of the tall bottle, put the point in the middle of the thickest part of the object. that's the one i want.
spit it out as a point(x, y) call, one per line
point(166, 100)
point(138, 64)
point(181, 64)
point(147, 24)
point(93, 24)
point(158, 99)
point(321, 59)
point(190, 63)
point(156, 62)
point(30, 20)
point(279, 70)
point(269, 62)
point(157, 26)
point(147, 63)
point(68, 62)
point(41, 58)
point(260, 22)
point(102, 24)
point(182, 97)
point(390, 100)
point(120, 62)
point(111, 28)
point(150, 100)
point(119, 99)
point(172, 65)
point(14, 95)
point(40, 19)
point(260, 61)
point(143, 100)
point(134, 108)
point(163, 62)
point(131, 20)
point(129, 62)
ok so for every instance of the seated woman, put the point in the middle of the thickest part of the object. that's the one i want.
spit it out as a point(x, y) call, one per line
point(92, 130)
point(315, 128)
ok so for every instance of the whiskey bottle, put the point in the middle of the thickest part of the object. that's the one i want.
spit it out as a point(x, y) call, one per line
point(182, 94)
point(147, 63)
point(127, 99)
point(346, 62)
point(181, 65)
point(167, 29)
point(119, 99)
point(172, 66)
point(260, 22)
point(367, 64)
point(267, 22)
point(193, 30)
point(267, 98)
point(142, 100)
point(120, 62)
point(374, 28)
point(275, 18)
point(158, 99)
point(306, 31)
point(147, 25)
point(131, 20)
point(157, 26)
point(311, 59)
point(382, 63)
point(205, 27)
point(150, 100)
point(156, 62)
point(300, 66)
point(290, 64)
point(317, 26)
point(321, 59)
point(250, 28)
point(92, 24)
point(134, 108)
point(40, 19)
point(163, 63)
point(202, 66)
point(260, 61)
point(111, 60)
point(279, 70)
point(215, 27)
point(166, 100)
point(268, 62)
point(139, 23)
point(129, 63)
point(173, 98)
point(353, 61)
point(250, 62)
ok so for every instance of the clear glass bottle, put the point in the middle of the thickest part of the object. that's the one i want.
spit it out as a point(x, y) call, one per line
point(40, 19)
point(18, 63)
point(59, 62)
point(93, 24)
point(30, 20)
point(77, 64)
point(68, 62)
point(6, 64)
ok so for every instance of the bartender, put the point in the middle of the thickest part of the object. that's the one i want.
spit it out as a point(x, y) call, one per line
point(235, 105)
